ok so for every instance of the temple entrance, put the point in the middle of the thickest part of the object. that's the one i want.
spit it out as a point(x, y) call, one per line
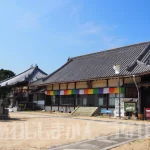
point(145, 98)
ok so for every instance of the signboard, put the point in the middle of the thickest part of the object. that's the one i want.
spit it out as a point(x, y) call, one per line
point(130, 107)
point(117, 102)
point(104, 111)
point(147, 113)
point(116, 111)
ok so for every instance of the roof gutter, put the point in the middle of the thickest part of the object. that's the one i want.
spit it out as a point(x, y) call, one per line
point(92, 79)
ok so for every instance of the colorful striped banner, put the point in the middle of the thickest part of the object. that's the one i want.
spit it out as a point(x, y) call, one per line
point(105, 91)
point(111, 90)
point(116, 90)
point(87, 91)
point(62, 93)
point(90, 91)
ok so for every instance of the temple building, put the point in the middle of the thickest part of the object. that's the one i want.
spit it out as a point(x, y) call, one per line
point(20, 93)
point(90, 80)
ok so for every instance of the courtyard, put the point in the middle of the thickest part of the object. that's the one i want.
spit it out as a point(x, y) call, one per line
point(35, 130)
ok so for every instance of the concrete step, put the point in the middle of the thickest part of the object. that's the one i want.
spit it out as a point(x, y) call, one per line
point(85, 111)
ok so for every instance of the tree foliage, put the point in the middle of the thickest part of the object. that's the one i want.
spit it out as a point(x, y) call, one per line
point(5, 74)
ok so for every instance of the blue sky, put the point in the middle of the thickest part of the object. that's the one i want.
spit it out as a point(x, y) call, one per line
point(47, 32)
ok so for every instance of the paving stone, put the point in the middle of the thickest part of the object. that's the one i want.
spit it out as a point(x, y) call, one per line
point(102, 143)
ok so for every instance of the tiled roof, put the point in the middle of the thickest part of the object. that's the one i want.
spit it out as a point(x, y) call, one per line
point(29, 75)
point(100, 64)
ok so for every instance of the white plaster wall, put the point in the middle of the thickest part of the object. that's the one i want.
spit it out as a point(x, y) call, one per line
point(47, 108)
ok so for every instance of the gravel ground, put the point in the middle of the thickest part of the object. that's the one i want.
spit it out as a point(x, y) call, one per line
point(143, 144)
point(41, 131)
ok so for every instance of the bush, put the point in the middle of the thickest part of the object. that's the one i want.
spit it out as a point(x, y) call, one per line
point(21, 105)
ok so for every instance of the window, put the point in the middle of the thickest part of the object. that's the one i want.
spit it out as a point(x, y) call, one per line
point(112, 98)
point(41, 96)
point(112, 102)
point(55, 100)
point(101, 101)
point(48, 100)
point(84, 101)
point(91, 100)
point(25, 94)
point(81, 100)
point(112, 95)
point(35, 97)
point(122, 95)
point(67, 100)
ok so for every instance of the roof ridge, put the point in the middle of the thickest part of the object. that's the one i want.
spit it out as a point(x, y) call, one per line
point(108, 50)
point(42, 71)
point(57, 70)
point(133, 64)
point(17, 75)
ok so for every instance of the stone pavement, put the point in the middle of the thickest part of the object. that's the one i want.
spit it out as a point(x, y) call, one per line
point(107, 142)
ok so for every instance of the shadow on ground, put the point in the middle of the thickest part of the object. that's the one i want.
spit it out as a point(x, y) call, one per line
point(11, 119)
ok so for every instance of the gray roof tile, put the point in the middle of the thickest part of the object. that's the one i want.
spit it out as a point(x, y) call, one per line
point(29, 75)
point(100, 65)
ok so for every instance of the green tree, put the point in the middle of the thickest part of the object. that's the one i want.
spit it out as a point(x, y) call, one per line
point(5, 74)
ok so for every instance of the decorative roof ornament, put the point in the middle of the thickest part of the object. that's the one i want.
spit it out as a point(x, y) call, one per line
point(143, 65)
point(36, 65)
point(117, 69)
point(69, 59)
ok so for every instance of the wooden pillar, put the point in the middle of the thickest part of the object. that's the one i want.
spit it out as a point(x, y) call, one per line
point(89, 84)
point(51, 99)
point(75, 102)
point(139, 102)
point(28, 93)
point(107, 83)
point(37, 98)
point(44, 100)
point(59, 99)
point(107, 95)
point(66, 86)
point(123, 81)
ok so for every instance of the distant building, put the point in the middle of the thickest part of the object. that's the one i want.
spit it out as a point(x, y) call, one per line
point(90, 80)
point(20, 91)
